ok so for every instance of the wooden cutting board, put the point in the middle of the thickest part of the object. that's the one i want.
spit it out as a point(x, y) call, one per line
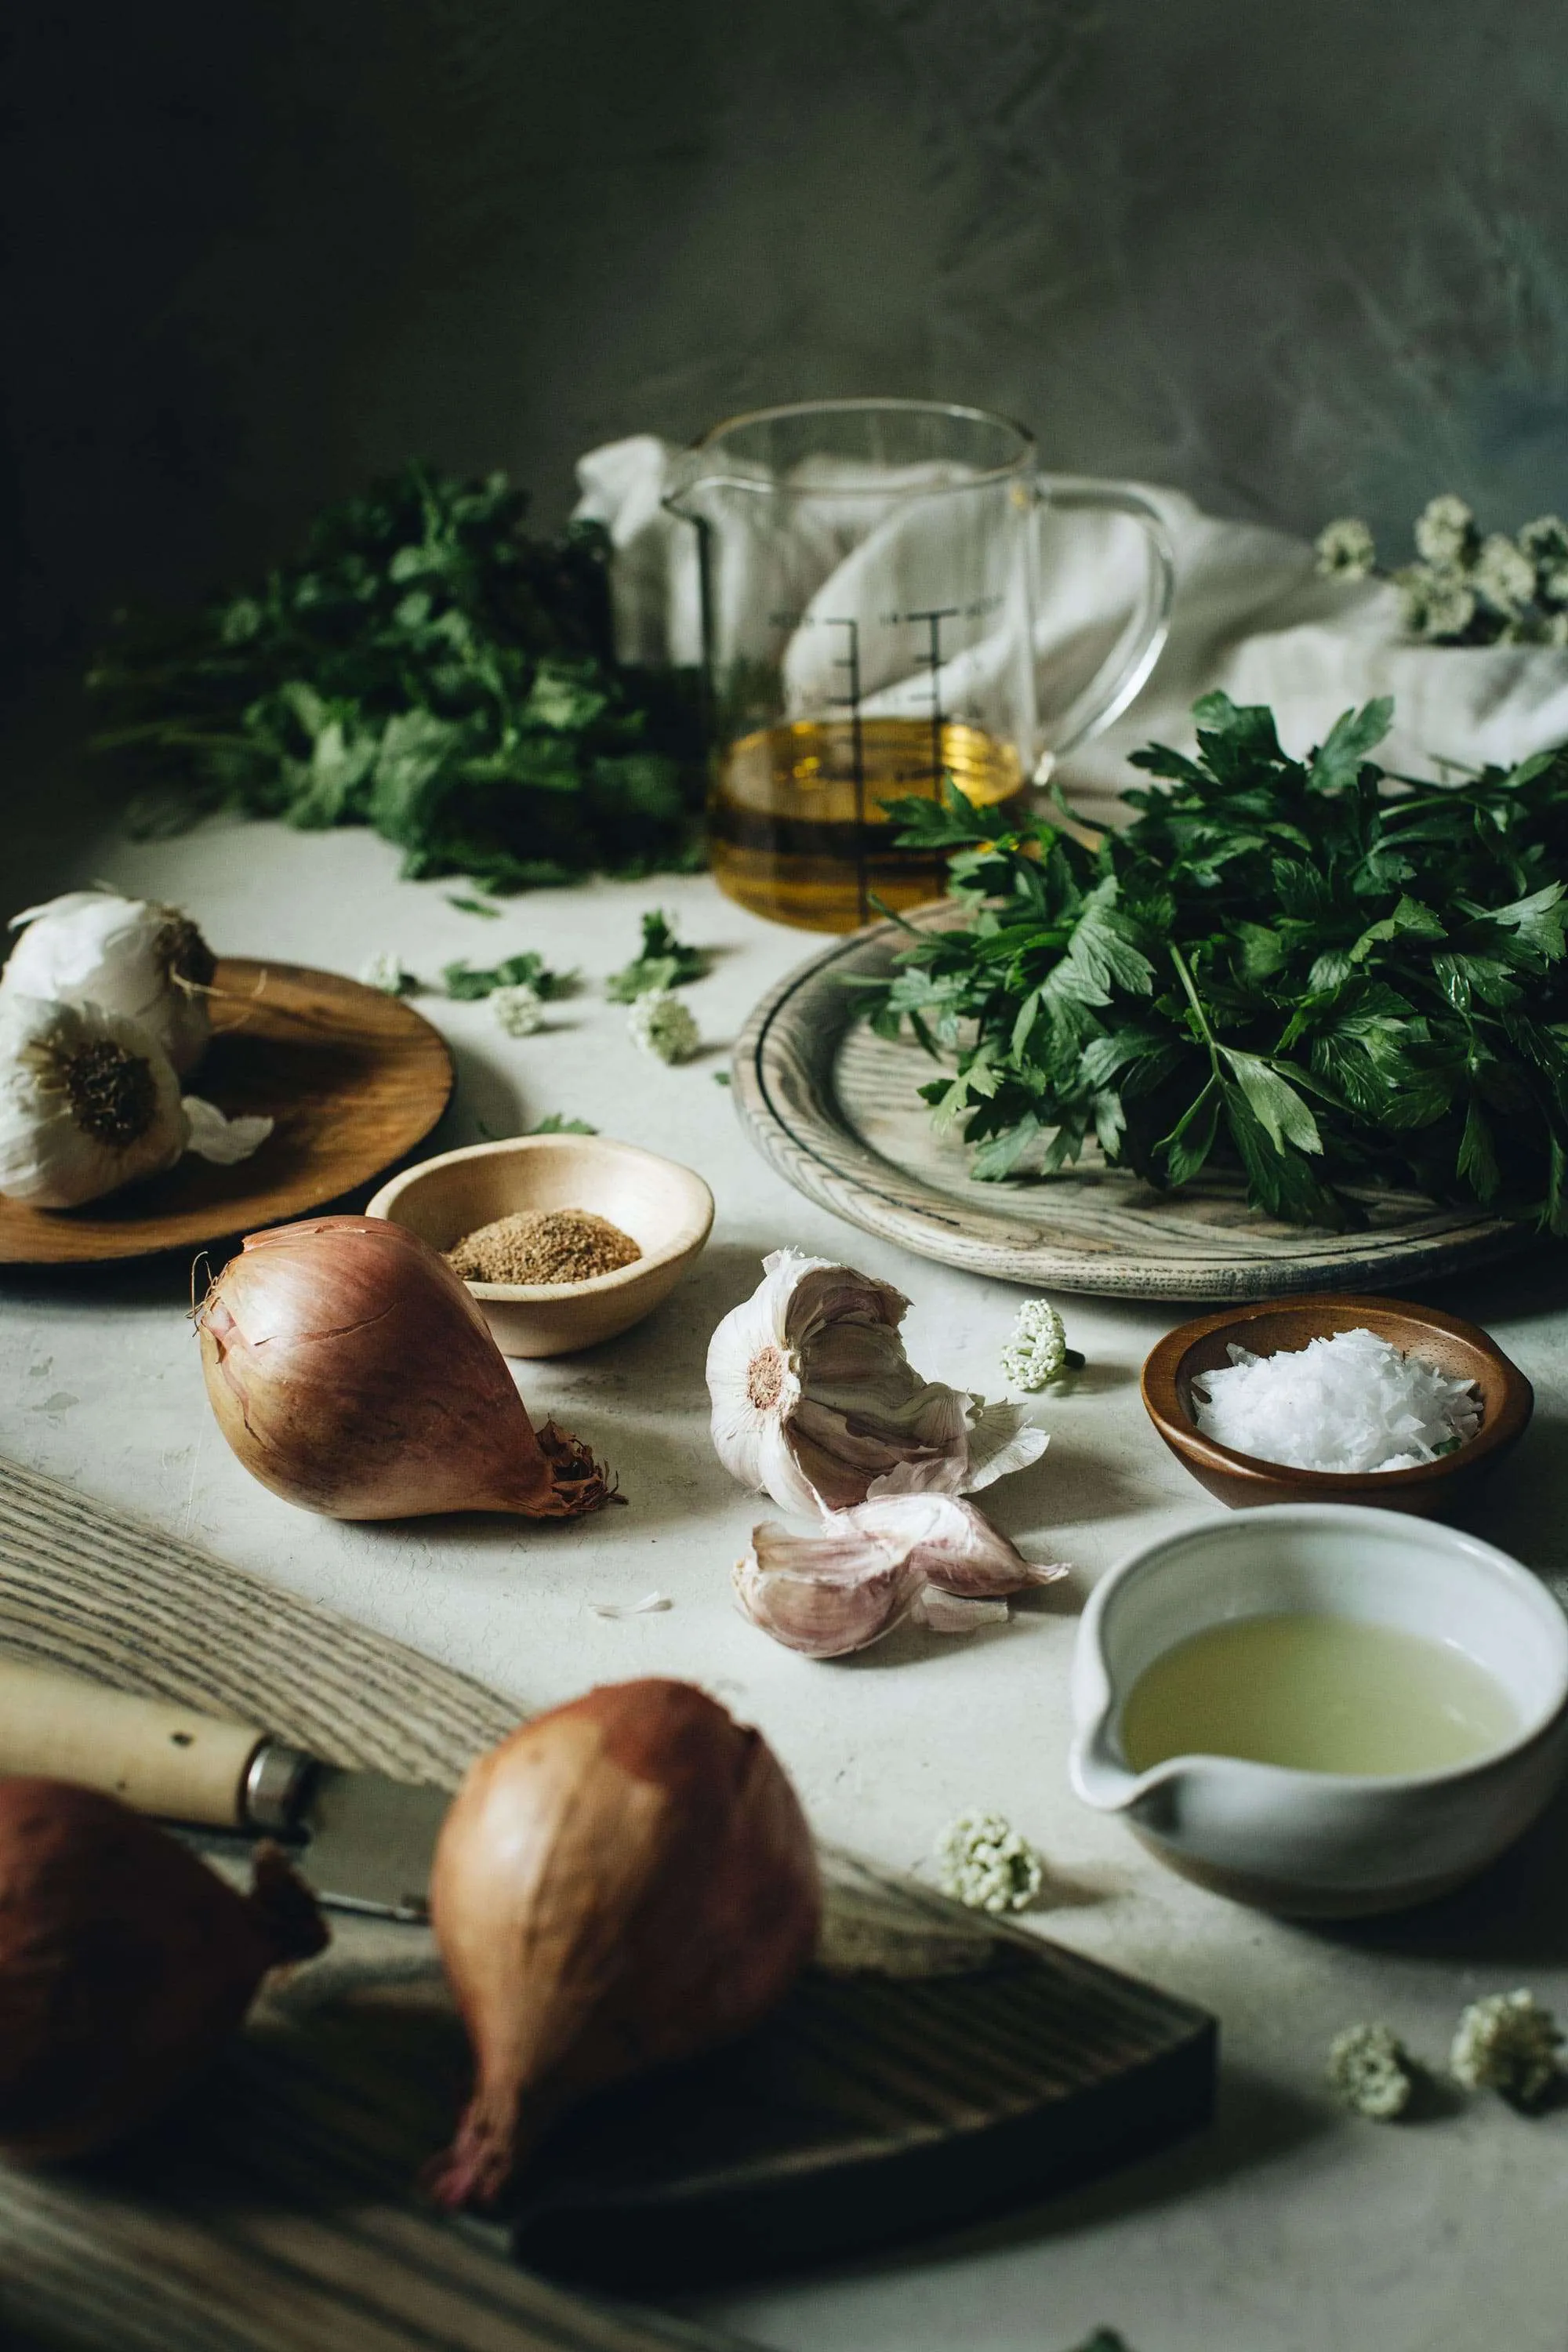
point(932, 2067)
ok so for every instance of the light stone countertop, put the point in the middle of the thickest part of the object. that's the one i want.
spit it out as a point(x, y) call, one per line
point(1289, 2227)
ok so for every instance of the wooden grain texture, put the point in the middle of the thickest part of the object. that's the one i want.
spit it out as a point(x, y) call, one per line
point(835, 1109)
point(932, 2067)
point(354, 1077)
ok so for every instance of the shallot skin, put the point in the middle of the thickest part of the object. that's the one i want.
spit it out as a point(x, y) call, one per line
point(352, 1373)
point(621, 1883)
point(125, 1964)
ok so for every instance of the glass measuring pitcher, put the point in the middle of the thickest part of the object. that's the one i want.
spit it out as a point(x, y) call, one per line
point(869, 574)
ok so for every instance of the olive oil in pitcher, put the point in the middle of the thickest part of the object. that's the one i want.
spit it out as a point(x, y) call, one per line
point(797, 829)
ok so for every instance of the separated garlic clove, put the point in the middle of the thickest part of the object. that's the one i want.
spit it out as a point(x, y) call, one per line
point(826, 1595)
point(145, 962)
point(816, 1403)
point(88, 1102)
point(952, 1544)
point(858, 1573)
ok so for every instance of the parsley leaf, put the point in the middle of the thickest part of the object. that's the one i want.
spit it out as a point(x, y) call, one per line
point(665, 962)
point(1304, 971)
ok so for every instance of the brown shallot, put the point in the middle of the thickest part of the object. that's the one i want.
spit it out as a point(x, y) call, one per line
point(842, 1584)
point(622, 1882)
point(351, 1372)
point(125, 1963)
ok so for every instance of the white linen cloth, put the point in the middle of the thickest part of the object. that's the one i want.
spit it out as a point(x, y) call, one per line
point(1251, 616)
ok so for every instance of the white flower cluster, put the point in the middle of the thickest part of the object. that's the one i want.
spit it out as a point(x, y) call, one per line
point(1037, 1349)
point(1370, 2071)
point(662, 1025)
point(986, 1864)
point(519, 1010)
point(1464, 588)
point(385, 970)
point(1508, 2042)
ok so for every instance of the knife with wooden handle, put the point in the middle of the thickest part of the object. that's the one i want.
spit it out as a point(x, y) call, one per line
point(364, 1841)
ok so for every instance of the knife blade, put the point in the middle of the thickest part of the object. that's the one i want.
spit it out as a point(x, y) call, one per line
point(362, 1841)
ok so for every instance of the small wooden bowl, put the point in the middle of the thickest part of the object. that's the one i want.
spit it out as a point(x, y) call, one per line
point(1432, 1490)
point(666, 1208)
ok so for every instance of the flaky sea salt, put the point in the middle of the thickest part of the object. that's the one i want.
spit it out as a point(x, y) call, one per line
point(1352, 1403)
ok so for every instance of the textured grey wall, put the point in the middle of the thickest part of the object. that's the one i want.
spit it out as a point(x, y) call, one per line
point(1292, 257)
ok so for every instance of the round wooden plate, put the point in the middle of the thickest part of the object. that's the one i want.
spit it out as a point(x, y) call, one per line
point(354, 1078)
point(836, 1110)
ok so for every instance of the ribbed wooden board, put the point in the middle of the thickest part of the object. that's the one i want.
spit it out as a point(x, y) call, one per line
point(836, 1110)
point(352, 1078)
point(934, 2067)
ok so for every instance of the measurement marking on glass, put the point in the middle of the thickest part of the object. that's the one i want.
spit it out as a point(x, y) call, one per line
point(850, 661)
point(933, 620)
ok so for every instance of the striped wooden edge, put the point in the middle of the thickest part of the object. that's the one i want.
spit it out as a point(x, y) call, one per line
point(817, 1093)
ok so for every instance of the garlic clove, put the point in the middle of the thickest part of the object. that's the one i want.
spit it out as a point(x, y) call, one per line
point(953, 1545)
point(826, 1595)
point(953, 1612)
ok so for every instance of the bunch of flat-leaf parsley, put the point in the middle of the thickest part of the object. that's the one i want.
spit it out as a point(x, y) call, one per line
point(426, 667)
point(1303, 971)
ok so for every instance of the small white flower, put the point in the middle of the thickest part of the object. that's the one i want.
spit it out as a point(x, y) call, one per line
point(1508, 2042)
point(142, 962)
point(1545, 541)
point(1504, 575)
point(986, 1864)
point(520, 1010)
point(1446, 531)
point(661, 1024)
point(1037, 1349)
point(1370, 2069)
point(1437, 605)
point(386, 970)
point(1346, 549)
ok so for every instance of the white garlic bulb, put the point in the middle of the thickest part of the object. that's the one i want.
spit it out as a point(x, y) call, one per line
point(89, 1101)
point(816, 1403)
point(129, 956)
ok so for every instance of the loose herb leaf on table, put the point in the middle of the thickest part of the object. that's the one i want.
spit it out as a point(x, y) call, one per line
point(424, 667)
point(1303, 971)
point(664, 961)
point(467, 982)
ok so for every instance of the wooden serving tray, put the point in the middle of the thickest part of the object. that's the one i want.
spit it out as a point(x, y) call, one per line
point(933, 2067)
point(354, 1077)
point(835, 1109)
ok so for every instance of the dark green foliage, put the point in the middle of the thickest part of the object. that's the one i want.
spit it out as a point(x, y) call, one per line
point(665, 961)
point(426, 669)
point(1297, 969)
point(529, 970)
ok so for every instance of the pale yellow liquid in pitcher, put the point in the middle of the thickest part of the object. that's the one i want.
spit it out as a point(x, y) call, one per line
point(1322, 1694)
point(794, 829)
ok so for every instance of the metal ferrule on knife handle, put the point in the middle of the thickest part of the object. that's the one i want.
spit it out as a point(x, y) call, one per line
point(151, 1753)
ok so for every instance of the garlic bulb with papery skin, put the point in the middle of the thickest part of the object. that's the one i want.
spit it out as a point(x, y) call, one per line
point(88, 1102)
point(842, 1584)
point(816, 1403)
point(351, 1372)
point(146, 962)
point(624, 1881)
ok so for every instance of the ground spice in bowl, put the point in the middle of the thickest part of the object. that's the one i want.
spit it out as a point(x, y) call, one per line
point(543, 1245)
